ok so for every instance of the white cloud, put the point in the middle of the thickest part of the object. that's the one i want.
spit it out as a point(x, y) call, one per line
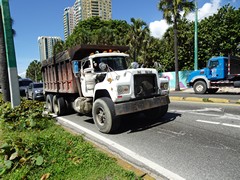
point(22, 75)
point(158, 28)
point(206, 10)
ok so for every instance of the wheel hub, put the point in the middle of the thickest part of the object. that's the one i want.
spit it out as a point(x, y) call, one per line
point(101, 117)
point(199, 88)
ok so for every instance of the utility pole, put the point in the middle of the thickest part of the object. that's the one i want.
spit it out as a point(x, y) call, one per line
point(10, 54)
point(196, 37)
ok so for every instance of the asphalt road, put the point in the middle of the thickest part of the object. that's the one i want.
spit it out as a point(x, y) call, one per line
point(193, 141)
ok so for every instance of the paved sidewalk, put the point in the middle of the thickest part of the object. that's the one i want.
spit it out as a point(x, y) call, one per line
point(227, 89)
point(207, 99)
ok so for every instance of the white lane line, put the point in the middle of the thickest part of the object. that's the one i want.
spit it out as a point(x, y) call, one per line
point(230, 125)
point(161, 170)
point(209, 122)
point(218, 123)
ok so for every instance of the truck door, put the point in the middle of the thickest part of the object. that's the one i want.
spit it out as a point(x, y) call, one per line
point(214, 70)
point(87, 78)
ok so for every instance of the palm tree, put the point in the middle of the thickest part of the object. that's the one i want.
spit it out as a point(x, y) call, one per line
point(137, 34)
point(34, 71)
point(171, 12)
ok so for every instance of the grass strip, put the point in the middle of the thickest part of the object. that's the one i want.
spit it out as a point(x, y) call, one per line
point(34, 147)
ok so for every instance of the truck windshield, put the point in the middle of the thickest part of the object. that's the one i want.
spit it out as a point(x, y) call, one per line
point(114, 62)
point(40, 85)
point(24, 83)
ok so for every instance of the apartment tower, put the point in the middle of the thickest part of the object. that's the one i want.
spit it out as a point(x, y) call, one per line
point(84, 9)
point(46, 44)
point(68, 21)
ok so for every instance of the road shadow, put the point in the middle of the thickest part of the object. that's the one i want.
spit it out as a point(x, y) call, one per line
point(139, 122)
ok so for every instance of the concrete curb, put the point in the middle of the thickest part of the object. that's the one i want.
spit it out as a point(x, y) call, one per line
point(196, 99)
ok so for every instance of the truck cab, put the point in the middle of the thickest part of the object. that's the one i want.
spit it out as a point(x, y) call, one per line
point(216, 68)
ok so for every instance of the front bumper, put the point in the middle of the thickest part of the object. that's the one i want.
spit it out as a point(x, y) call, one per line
point(141, 105)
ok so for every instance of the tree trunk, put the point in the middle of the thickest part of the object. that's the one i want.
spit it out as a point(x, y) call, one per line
point(177, 87)
point(3, 65)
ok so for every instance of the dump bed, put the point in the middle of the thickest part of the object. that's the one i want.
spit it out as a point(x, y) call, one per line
point(57, 71)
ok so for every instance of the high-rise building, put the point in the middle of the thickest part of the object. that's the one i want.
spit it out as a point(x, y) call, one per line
point(46, 44)
point(68, 21)
point(84, 9)
point(101, 8)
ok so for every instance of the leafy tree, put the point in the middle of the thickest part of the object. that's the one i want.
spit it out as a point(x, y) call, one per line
point(34, 71)
point(97, 31)
point(171, 12)
point(137, 37)
point(58, 47)
point(219, 34)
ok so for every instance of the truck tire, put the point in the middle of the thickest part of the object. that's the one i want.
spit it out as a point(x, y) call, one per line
point(200, 87)
point(59, 106)
point(157, 112)
point(33, 97)
point(49, 102)
point(104, 115)
point(212, 90)
point(27, 96)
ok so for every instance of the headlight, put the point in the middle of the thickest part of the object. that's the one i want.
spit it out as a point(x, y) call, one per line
point(123, 89)
point(164, 86)
point(38, 91)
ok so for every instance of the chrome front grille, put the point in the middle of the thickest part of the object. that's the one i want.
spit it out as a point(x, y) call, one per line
point(145, 85)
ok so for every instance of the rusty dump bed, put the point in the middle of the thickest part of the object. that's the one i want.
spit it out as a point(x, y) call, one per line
point(57, 71)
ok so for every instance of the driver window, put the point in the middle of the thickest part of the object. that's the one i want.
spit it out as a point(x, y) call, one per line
point(213, 64)
point(85, 64)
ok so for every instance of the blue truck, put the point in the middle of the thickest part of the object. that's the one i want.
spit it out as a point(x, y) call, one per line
point(220, 72)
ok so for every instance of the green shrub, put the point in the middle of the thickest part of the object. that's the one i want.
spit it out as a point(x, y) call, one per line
point(34, 147)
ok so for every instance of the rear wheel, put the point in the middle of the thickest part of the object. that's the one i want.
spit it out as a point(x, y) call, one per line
point(200, 87)
point(49, 102)
point(104, 115)
point(59, 105)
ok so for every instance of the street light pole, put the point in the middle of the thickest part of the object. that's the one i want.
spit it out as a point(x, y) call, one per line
point(10, 54)
point(196, 37)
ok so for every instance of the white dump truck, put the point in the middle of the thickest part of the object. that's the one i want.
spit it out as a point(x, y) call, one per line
point(98, 80)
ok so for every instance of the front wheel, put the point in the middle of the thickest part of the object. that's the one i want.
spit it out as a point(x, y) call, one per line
point(104, 115)
point(200, 87)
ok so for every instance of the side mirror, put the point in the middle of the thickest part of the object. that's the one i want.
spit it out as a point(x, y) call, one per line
point(103, 66)
point(134, 65)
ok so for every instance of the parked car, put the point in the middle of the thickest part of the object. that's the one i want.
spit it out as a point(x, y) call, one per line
point(35, 91)
point(23, 84)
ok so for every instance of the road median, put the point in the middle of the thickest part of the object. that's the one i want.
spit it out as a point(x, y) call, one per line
point(196, 99)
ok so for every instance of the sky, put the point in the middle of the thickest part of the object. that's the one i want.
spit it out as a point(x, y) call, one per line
point(34, 18)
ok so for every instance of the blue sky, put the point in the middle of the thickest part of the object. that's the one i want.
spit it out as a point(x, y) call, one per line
point(33, 18)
